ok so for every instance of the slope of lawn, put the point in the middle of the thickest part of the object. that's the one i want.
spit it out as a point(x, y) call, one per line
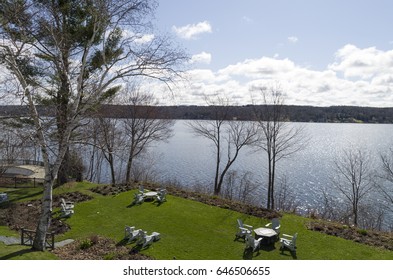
point(192, 230)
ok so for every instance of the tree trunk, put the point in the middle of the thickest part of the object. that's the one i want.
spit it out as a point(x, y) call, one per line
point(112, 167)
point(269, 186)
point(45, 217)
point(216, 177)
point(129, 164)
point(63, 175)
point(272, 184)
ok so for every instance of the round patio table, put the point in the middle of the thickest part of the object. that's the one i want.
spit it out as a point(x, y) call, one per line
point(150, 195)
point(268, 235)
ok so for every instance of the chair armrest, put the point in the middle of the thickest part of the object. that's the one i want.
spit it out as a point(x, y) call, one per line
point(268, 225)
point(245, 229)
point(287, 235)
point(277, 227)
point(248, 226)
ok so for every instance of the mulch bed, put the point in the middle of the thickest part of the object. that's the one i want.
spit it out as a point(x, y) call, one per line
point(26, 214)
point(97, 248)
point(372, 238)
point(112, 190)
point(225, 203)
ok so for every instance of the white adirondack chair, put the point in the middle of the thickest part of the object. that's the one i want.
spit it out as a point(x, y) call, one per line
point(138, 198)
point(67, 204)
point(146, 240)
point(161, 195)
point(275, 224)
point(253, 243)
point(288, 241)
point(243, 229)
point(66, 212)
point(142, 189)
point(130, 233)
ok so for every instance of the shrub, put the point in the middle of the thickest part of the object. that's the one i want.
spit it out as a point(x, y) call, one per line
point(85, 244)
point(94, 239)
point(362, 232)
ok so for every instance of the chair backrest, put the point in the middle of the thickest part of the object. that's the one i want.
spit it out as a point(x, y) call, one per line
point(63, 201)
point(63, 208)
point(141, 188)
point(162, 195)
point(239, 223)
point(294, 240)
point(275, 223)
point(128, 230)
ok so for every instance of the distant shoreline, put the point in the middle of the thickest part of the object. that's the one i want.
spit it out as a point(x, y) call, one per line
point(333, 114)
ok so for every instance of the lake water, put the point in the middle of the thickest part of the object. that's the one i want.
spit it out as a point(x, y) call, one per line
point(189, 160)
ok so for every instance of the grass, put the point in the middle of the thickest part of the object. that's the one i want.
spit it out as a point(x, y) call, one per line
point(18, 252)
point(191, 230)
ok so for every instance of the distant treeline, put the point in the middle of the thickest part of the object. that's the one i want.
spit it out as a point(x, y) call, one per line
point(347, 114)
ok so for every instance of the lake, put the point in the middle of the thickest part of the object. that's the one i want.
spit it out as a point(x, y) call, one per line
point(189, 160)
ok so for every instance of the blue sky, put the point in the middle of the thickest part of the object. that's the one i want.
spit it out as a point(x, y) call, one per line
point(321, 53)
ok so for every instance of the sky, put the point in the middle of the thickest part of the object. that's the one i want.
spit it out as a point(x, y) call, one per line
point(319, 53)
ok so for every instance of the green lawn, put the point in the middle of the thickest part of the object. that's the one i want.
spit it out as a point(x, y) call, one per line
point(192, 230)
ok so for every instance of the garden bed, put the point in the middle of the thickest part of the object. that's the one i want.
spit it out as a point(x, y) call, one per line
point(372, 238)
point(97, 248)
point(26, 214)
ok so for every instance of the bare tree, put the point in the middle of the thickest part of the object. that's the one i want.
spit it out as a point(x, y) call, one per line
point(109, 141)
point(285, 198)
point(278, 139)
point(354, 179)
point(386, 188)
point(225, 134)
point(76, 53)
point(240, 187)
point(143, 126)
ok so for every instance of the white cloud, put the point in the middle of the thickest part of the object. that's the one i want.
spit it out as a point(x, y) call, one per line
point(363, 63)
point(146, 38)
point(256, 68)
point(293, 39)
point(191, 31)
point(202, 57)
point(138, 38)
point(367, 80)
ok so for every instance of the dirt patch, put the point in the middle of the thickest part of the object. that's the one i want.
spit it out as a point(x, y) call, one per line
point(97, 248)
point(372, 238)
point(112, 190)
point(26, 214)
point(225, 203)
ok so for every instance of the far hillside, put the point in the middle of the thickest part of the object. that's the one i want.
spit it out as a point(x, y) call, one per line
point(337, 114)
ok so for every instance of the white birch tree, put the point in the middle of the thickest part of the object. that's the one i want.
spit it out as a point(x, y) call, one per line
point(77, 53)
